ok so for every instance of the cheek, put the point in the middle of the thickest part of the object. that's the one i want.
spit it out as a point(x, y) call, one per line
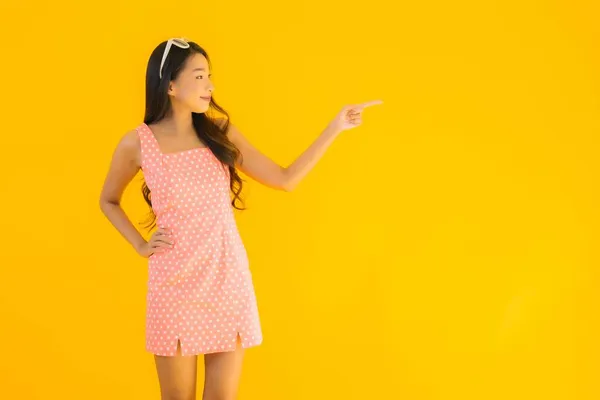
point(190, 91)
point(190, 95)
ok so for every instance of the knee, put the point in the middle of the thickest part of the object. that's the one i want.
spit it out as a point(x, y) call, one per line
point(219, 395)
point(175, 395)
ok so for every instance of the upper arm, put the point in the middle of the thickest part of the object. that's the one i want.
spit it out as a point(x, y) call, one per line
point(254, 163)
point(123, 167)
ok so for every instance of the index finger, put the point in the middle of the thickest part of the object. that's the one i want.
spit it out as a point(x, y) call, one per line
point(370, 103)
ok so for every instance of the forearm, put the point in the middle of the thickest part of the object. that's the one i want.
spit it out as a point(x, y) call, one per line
point(296, 171)
point(116, 215)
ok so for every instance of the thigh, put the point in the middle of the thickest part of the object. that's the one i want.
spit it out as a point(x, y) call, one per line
point(222, 374)
point(177, 376)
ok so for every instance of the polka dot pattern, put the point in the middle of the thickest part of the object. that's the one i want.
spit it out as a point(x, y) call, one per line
point(200, 291)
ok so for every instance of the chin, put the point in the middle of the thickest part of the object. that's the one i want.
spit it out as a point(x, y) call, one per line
point(201, 109)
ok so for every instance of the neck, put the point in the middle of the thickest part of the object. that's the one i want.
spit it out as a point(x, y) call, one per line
point(178, 123)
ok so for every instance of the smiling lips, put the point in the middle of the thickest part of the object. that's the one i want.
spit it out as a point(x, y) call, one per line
point(205, 98)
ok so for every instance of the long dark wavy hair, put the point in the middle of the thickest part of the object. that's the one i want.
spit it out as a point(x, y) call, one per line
point(210, 131)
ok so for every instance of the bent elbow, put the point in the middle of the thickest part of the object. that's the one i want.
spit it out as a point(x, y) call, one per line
point(288, 186)
point(106, 204)
point(286, 183)
point(103, 206)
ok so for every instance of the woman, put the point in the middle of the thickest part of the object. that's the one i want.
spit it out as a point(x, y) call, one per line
point(200, 297)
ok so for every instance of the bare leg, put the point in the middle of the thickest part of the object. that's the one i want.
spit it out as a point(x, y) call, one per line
point(222, 374)
point(177, 376)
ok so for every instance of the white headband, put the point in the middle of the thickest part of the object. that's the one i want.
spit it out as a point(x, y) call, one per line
point(179, 42)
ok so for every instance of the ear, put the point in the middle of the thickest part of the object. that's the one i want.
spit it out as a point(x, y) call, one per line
point(171, 89)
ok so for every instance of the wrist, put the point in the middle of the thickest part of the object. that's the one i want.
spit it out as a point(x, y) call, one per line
point(139, 247)
point(332, 129)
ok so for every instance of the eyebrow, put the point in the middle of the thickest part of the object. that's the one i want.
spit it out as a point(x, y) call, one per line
point(198, 69)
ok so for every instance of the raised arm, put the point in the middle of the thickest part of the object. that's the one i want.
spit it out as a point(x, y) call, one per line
point(267, 172)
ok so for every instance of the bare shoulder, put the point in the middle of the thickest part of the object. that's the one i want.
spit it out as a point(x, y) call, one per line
point(129, 147)
point(232, 131)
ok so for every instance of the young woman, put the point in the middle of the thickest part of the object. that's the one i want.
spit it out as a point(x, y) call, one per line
point(200, 297)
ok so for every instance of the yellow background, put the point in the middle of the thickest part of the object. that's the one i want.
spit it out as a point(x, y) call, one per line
point(446, 249)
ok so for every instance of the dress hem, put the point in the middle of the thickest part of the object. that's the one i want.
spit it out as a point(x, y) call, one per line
point(225, 350)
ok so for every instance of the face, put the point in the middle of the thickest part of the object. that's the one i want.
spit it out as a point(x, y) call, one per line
point(193, 87)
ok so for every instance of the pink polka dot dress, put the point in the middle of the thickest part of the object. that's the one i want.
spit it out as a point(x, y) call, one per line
point(200, 291)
